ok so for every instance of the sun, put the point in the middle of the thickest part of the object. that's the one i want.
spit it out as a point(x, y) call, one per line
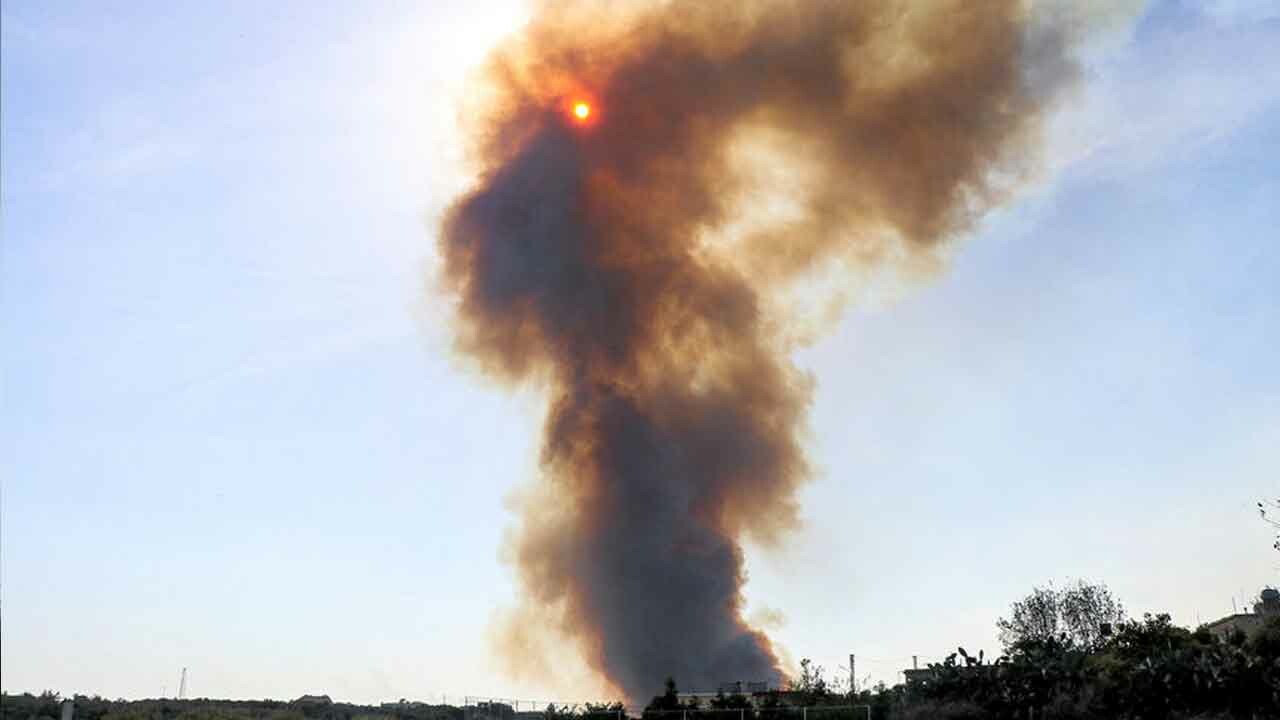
point(581, 110)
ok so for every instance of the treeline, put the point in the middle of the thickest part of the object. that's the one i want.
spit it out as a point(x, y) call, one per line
point(808, 698)
point(48, 706)
point(1148, 669)
point(1069, 654)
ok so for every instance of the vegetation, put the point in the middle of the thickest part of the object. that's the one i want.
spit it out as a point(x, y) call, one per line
point(47, 706)
point(1269, 510)
point(1057, 664)
point(1053, 667)
point(1148, 669)
point(1079, 615)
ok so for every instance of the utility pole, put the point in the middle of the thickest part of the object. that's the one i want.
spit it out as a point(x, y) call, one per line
point(853, 676)
point(182, 686)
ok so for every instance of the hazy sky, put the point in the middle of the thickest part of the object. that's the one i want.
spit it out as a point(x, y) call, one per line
point(234, 437)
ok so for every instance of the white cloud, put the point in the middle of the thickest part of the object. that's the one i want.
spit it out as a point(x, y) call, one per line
point(1231, 12)
point(1168, 96)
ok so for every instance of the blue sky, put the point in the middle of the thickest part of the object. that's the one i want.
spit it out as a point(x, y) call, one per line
point(234, 438)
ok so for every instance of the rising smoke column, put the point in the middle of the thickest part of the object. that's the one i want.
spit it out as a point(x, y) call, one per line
point(609, 261)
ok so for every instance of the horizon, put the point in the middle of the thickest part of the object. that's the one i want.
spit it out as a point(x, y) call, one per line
point(237, 429)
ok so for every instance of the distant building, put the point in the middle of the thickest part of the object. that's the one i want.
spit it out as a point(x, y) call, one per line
point(489, 710)
point(752, 690)
point(917, 676)
point(1268, 605)
point(313, 700)
point(424, 711)
point(1247, 623)
point(701, 698)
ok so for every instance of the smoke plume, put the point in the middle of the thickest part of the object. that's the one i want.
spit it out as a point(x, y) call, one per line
point(637, 266)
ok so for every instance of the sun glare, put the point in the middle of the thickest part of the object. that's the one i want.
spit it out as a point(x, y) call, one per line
point(581, 110)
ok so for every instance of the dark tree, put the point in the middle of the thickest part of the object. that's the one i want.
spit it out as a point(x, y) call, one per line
point(1272, 506)
point(668, 701)
point(1079, 614)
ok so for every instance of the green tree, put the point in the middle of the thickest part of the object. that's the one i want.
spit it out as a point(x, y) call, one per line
point(1035, 617)
point(1078, 615)
point(811, 684)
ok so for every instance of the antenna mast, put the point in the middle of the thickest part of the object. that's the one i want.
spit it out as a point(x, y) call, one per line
point(182, 686)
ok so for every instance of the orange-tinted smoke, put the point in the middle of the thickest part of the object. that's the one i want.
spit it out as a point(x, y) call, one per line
point(583, 260)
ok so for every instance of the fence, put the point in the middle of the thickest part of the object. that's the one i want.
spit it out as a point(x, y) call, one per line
point(487, 708)
point(476, 708)
point(765, 712)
